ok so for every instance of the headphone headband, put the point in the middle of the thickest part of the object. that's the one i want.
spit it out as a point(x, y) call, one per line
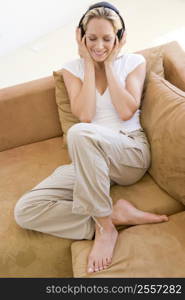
point(105, 5)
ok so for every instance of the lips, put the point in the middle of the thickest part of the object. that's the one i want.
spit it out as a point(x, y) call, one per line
point(99, 53)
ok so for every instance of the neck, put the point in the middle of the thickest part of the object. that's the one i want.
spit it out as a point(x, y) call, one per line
point(99, 66)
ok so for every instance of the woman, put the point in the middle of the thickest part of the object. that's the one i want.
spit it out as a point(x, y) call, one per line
point(107, 147)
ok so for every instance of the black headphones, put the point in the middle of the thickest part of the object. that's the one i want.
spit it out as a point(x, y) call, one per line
point(106, 5)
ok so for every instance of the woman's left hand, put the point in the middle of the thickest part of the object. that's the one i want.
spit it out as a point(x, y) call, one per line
point(116, 49)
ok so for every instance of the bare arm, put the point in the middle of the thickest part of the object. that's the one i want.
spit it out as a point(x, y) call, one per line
point(126, 100)
point(82, 94)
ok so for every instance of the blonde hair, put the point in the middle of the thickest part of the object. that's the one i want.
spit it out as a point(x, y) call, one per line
point(105, 13)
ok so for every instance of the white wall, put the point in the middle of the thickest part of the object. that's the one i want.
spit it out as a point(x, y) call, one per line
point(48, 32)
point(23, 21)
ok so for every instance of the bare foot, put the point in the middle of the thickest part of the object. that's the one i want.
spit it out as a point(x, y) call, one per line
point(101, 254)
point(125, 213)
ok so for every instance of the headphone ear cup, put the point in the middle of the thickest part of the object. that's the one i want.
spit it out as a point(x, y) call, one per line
point(82, 31)
point(120, 33)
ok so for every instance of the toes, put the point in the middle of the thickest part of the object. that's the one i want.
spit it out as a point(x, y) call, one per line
point(161, 218)
point(96, 266)
point(107, 262)
point(100, 265)
point(90, 267)
point(104, 263)
point(164, 218)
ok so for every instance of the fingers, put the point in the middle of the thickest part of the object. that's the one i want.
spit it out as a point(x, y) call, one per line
point(117, 44)
point(116, 41)
point(123, 39)
point(120, 43)
point(79, 39)
point(83, 41)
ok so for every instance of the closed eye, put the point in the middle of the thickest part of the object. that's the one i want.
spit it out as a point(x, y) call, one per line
point(104, 40)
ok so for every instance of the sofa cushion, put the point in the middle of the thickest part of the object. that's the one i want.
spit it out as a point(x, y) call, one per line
point(150, 250)
point(27, 253)
point(148, 196)
point(163, 119)
point(33, 254)
point(154, 58)
point(67, 119)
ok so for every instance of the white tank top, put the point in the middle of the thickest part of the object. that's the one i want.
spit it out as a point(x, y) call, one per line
point(106, 114)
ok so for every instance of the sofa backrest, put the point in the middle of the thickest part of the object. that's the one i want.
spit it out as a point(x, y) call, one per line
point(28, 111)
point(173, 62)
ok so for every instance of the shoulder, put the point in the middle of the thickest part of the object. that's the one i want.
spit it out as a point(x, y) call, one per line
point(131, 61)
point(127, 59)
point(127, 62)
point(135, 57)
point(130, 58)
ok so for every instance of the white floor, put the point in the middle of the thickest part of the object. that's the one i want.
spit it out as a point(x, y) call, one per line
point(148, 23)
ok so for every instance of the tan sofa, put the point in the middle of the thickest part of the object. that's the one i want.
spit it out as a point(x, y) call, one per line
point(32, 146)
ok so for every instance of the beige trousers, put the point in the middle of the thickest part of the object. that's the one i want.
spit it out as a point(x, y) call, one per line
point(66, 203)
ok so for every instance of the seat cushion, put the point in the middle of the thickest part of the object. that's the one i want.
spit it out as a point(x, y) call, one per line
point(147, 196)
point(27, 253)
point(150, 250)
point(163, 119)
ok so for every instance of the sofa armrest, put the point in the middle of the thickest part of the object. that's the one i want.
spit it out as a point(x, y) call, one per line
point(28, 113)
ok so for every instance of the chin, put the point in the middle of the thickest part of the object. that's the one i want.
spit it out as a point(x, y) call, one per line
point(99, 59)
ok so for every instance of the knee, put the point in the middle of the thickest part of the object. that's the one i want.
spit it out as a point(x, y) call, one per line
point(77, 131)
point(19, 214)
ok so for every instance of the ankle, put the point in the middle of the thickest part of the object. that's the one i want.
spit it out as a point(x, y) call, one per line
point(115, 214)
point(105, 223)
point(114, 219)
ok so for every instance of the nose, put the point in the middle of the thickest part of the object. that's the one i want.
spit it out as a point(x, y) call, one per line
point(99, 45)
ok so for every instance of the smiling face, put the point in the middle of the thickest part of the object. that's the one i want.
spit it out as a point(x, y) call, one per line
point(100, 38)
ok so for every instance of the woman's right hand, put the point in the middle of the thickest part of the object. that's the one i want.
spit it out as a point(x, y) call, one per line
point(82, 49)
